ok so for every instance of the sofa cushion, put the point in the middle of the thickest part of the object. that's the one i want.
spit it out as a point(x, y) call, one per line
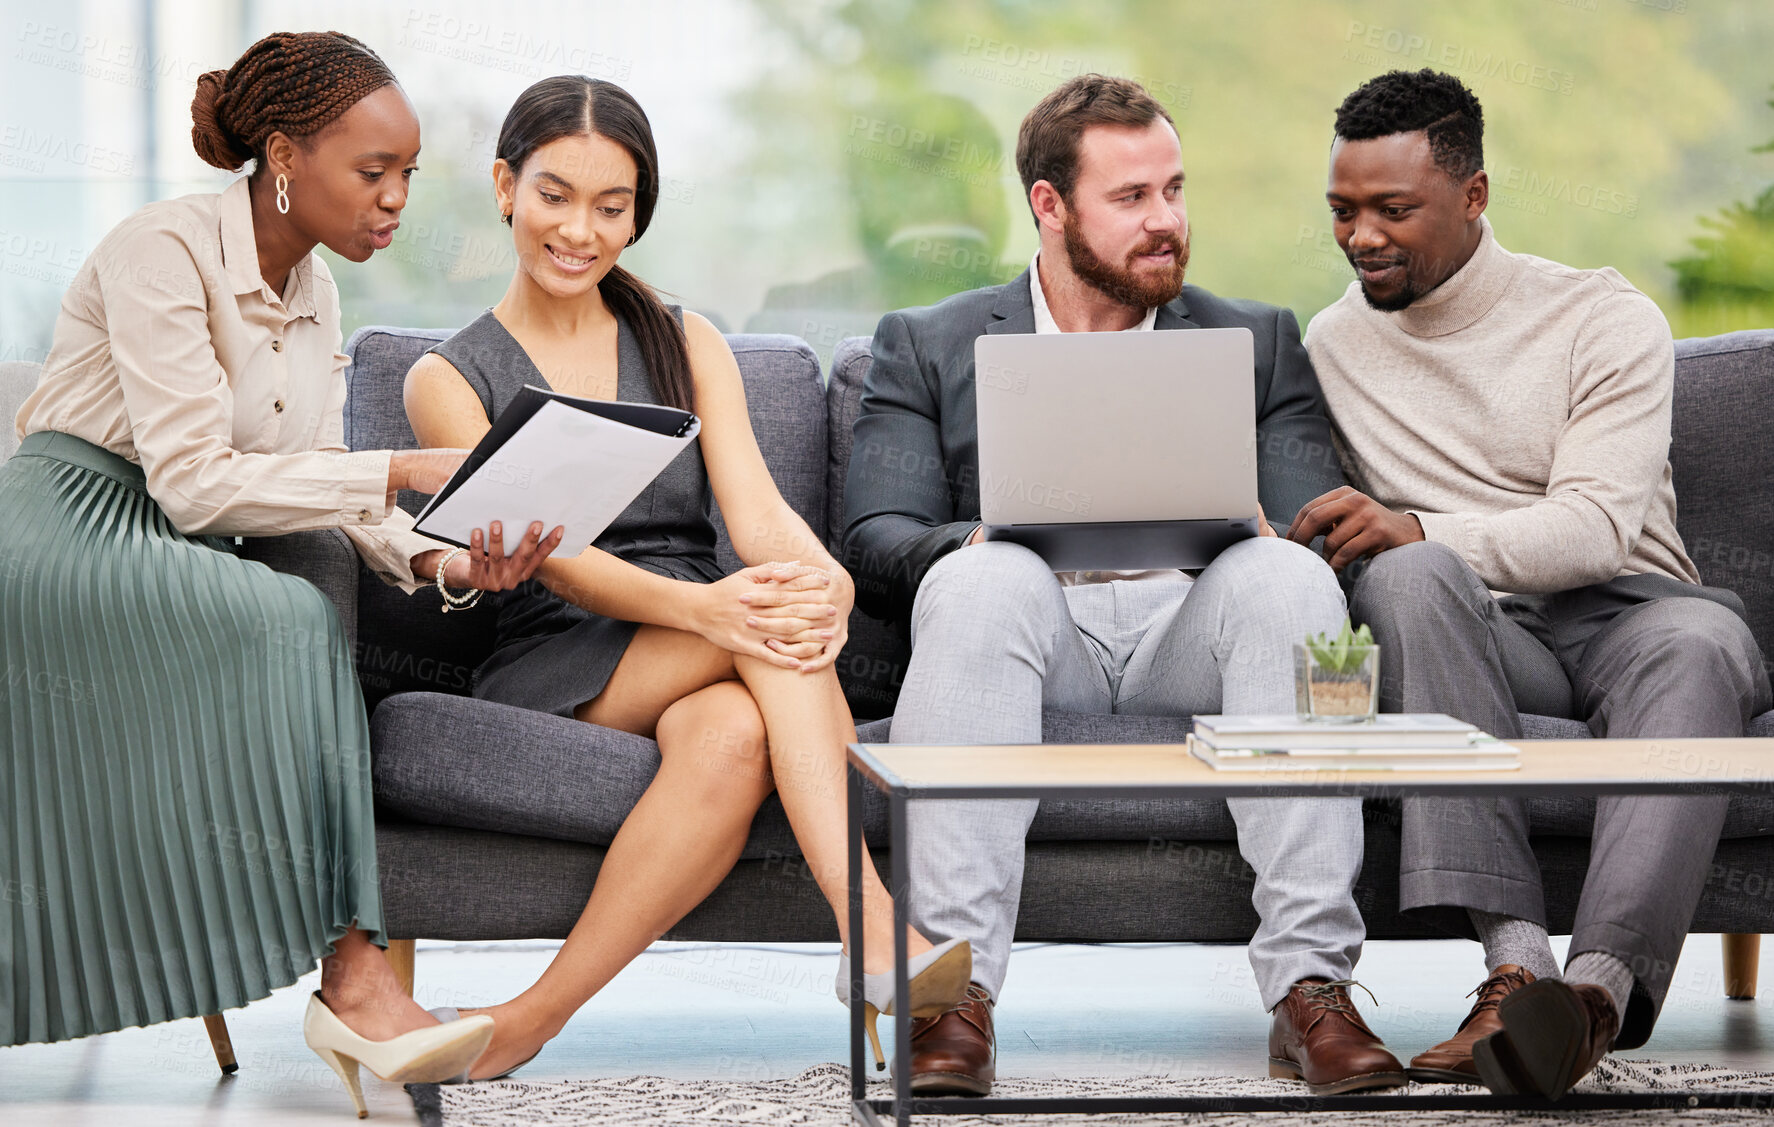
point(375, 383)
point(449, 761)
point(843, 399)
point(1720, 437)
point(405, 643)
point(872, 666)
point(785, 396)
point(18, 378)
point(452, 761)
point(1552, 728)
point(441, 883)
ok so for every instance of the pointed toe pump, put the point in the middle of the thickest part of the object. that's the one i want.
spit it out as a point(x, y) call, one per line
point(428, 1055)
point(937, 980)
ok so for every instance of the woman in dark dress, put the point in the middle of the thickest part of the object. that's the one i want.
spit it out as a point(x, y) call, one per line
point(733, 676)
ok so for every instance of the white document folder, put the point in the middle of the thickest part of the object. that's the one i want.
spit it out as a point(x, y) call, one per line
point(561, 460)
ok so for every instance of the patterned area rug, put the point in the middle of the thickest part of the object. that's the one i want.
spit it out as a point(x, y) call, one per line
point(819, 1097)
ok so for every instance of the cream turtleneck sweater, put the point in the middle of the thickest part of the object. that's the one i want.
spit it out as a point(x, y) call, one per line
point(1520, 411)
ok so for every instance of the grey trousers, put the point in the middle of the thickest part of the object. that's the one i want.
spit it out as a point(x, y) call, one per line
point(1637, 656)
point(995, 639)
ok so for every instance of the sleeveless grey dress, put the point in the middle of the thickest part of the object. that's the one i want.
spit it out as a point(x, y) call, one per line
point(551, 655)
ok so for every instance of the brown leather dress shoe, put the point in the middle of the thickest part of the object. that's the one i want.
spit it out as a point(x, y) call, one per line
point(1553, 1034)
point(1318, 1037)
point(955, 1053)
point(1451, 1061)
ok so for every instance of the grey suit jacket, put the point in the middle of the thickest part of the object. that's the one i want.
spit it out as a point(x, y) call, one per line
point(912, 495)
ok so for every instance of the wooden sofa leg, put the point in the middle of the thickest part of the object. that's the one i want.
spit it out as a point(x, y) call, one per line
point(400, 957)
point(1743, 954)
point(219, 1041)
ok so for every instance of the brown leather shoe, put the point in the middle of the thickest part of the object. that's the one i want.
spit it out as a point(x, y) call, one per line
point(955, 1053)
point(1553, 1034)
point(1451, 1061)
point(1318, 1037)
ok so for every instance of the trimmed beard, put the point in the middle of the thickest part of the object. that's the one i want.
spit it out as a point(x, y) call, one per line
point(1405, 297)
point(1121, 284)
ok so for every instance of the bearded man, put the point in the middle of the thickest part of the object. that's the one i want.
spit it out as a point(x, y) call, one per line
point(997, 636)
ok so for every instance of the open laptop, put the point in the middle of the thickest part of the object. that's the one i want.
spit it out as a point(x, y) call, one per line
point(1118, 451)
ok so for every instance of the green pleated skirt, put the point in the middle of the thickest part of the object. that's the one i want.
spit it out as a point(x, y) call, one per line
point(185, 810)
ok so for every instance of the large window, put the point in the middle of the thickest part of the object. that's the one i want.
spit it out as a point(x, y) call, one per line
point(827, 161)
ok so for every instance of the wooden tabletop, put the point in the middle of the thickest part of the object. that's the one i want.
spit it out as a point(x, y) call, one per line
point(1577, 767)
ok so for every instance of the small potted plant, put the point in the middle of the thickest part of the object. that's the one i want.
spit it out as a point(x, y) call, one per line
point(1337, 678)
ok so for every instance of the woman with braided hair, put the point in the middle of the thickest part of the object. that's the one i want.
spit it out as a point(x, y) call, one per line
point(185, 771)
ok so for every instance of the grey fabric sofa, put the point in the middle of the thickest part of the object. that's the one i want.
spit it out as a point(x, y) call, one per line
point(492, 821)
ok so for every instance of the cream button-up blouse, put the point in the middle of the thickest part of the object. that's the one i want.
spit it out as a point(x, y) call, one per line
point(171, 351)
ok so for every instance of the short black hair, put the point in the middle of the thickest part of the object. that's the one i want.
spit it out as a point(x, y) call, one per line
point(1402, 101)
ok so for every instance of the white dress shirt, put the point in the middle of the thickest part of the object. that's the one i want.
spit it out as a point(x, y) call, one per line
point(1044, 323)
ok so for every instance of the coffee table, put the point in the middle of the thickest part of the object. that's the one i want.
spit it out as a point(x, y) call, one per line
point(1165, 771)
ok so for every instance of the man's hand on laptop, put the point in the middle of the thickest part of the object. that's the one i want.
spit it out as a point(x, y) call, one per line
point(978, 537)
point(1353, 525)
point(1264, 528)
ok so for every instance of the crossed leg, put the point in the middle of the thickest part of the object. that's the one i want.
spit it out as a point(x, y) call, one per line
point(729, 731)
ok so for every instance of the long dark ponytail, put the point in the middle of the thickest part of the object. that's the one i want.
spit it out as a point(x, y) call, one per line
point(571, 105)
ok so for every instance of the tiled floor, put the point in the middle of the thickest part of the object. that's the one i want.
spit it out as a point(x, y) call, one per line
point(749, 1012)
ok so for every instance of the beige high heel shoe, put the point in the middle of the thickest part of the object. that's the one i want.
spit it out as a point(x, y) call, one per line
point(424, 1056)
point(937, 979)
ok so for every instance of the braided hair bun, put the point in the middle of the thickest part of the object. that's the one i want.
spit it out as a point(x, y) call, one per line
point(296, 83)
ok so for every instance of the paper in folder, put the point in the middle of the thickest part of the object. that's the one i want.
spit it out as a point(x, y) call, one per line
point(561, 460)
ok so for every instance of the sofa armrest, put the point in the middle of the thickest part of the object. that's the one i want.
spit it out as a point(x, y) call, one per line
point(323, 557)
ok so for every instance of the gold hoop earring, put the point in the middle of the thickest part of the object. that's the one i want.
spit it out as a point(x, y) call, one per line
point(283, 194)
point(630, 241)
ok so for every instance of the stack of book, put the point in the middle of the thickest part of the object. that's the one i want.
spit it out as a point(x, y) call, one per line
point(1388, 742)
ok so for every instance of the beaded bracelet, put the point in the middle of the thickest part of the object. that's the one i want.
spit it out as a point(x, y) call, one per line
point(455, 602)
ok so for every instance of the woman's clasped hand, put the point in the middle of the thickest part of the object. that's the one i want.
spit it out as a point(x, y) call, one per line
point(790, 614)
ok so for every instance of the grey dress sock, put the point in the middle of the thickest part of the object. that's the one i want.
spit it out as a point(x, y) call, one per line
point(1508, 939)
point(1602, 969)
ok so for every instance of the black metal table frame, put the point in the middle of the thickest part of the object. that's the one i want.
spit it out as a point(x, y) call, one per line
point(902, 1106)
